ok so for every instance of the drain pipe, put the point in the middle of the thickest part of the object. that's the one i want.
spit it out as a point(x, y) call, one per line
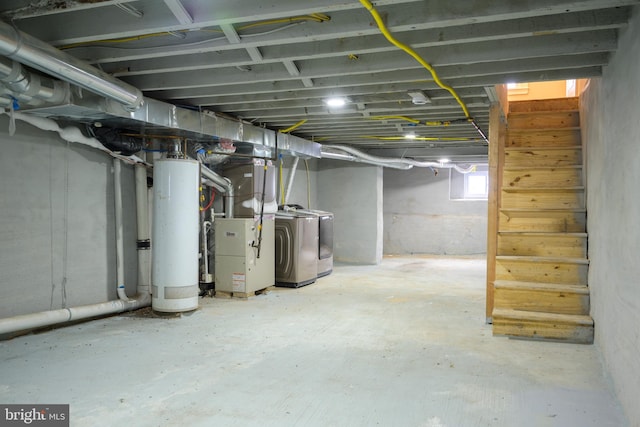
point(37, 54)
point(292, 175)
point(26, 322)
point(117, 187)
point(55, 317)
point(143, 232)
point(223, 185)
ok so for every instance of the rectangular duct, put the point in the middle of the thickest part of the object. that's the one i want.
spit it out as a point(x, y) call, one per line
point(160, 118)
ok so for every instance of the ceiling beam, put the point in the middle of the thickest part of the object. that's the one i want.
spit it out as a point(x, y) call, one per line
point(178, 10)
point(475, 54)
point(74, 27)
point(334, 41)
point(370, 83)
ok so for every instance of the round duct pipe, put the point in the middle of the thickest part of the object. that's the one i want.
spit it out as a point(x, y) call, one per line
point(37, 54)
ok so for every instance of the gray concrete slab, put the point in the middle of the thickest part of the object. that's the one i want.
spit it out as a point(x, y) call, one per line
point(400, 344)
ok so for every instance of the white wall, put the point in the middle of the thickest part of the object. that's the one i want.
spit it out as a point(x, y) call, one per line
point(353, 192)
point(38, 172)
point(419, 218)
point(611, 131)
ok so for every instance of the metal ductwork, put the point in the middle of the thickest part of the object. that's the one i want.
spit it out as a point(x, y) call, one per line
point(30, 51)
point(344, 152)
point(117, 104)
point(223, 185)
point(26, 87)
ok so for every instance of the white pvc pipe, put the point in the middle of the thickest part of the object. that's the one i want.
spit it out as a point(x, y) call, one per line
point(48, 318)
point(117, 190)
point(143, 231)
point(206, 227)
point(292, 175)
point(53, 317)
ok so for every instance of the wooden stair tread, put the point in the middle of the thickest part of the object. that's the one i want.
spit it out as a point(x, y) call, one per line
point(545, 259)
point(542, 189)
point(536, 167)
point(543, 148)
point(536, 130)
point(542, 234)
point(543, 210)
point(540, 286)
point(528, 113)
point(540, 105)
point(536, 316)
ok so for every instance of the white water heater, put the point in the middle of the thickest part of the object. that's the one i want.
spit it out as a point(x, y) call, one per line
point(175, 235)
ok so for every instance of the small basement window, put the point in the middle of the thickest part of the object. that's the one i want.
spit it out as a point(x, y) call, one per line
point(469, 186)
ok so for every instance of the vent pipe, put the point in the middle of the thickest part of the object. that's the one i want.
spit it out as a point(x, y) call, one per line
point(30, 51)
point(223, 185)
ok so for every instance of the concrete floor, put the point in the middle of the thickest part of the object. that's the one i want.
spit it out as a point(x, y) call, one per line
point(401, 344)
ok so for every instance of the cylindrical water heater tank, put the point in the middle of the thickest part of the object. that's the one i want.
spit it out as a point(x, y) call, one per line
point(175, 235)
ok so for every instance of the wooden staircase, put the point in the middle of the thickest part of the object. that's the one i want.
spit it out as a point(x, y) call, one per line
point(540, 286)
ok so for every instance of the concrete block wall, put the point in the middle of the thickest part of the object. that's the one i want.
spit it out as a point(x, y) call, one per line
point(57, 222)
point(419, 218)
point(611, 133)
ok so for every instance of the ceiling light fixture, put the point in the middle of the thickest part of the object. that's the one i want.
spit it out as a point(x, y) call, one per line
point(410, 136)
point(335, 102)
point(418, 97)
point(444, 161)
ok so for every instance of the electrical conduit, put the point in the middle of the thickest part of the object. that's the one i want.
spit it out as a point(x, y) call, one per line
point(292, 175)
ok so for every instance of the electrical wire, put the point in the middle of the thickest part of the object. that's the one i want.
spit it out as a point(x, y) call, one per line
point(315, 17)
point(65, 242)
point(383, 29)
point(292, 21)
point(306, 165)
point(405, 118)
point(53, 283)
point(130, 10)
point(281, 181)
point(294, 127)
point(418, 122)
point(211, 198)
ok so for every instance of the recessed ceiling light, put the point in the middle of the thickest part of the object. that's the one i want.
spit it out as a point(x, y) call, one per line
point(410, 136)
point(444, 160)
point(335, 102)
